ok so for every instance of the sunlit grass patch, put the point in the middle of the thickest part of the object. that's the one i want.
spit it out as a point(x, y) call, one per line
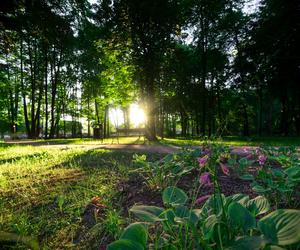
point(45, 191)
point(235, 141)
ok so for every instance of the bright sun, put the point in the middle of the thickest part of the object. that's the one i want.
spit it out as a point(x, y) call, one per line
point(137, 116)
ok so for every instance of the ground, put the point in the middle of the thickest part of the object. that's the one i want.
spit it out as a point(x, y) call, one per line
point(76, 193)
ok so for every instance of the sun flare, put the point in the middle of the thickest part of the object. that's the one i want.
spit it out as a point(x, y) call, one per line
point(136, 115)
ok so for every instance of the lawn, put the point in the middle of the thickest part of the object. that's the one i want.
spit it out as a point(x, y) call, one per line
point(44, 192)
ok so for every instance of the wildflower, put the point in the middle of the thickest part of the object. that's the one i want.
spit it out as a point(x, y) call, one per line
point(202, 160)
point(262, 159)
point(205, 179)
point(206, 151)
point(224, 168)
point(201, 199)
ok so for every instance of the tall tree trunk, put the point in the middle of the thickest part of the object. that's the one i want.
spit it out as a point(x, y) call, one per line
point(46, 94)
point(23, 92)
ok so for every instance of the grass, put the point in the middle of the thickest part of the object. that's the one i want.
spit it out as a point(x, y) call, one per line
point(43, 192)
point(88, 141)
point(236, 141)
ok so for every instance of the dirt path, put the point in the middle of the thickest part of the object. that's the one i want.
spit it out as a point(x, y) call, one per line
point(164, 149)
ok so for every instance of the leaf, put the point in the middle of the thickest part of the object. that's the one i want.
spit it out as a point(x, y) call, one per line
point(174, 196)
point(258, 205)
point(125, 245)
point(147, 213)
point(136, 232)
point(248, 243)
point(281, 227)
point(214, 203)
point(240, 198)
point(240, 216)
point(184, 213)
point(293, 173)
point(209, 225)
point(247, 177)
point(259, 189)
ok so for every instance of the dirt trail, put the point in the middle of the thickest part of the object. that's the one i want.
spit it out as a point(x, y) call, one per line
point(164, 149)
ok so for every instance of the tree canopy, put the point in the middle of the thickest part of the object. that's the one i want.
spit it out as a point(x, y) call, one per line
point(200, 68)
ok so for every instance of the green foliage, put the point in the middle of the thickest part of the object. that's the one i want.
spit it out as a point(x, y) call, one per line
point(174, 196)
point(134, 237)
point(167, 171)
point(229, 225)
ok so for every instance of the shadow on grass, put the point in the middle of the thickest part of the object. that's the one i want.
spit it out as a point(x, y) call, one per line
point(53, 206)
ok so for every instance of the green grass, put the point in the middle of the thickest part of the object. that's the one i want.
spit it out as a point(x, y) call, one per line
point(43, 192)
point(88, 141)
point(236, 141)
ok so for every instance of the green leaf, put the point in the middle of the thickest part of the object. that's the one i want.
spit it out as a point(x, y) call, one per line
point(281, 227)
point(293, 173)
point(240, 216)
point(174, 196)
point(247, 177)
point(248, 243)
point(258, 205)
point(136, 232)
point(184, 214)
point(147, 213)
point(209, 225)
point(240, 198)
point(125, 245)
point(259, 189)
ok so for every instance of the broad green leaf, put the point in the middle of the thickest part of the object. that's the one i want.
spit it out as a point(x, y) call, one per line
point(247, 177)
point(184, 214)
point(125, 245)
point(258, 205)
point(147, 213)
point(259, 189)
point(209, 225)
point(293, 173)
point(240, 198)
point(136, 232)
point(240, 216)
point(281, 227)
point(248, 243)
point(215, 203)
point(174, 196)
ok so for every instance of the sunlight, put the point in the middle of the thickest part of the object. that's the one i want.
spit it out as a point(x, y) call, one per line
point(137, 116)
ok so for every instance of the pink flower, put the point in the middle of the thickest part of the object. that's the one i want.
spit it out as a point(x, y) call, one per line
point(202, 160)
point(224, 168)
point(205, 179)
point(201, 199)
point(262, 159)
point(206, 151)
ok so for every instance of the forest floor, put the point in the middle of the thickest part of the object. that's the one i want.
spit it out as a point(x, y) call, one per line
point(48, 189)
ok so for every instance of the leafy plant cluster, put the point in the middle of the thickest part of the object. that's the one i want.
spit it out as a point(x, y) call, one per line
point(232, 222)
point(167, 171)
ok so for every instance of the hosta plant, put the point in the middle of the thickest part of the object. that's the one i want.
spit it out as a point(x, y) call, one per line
point(168, 170)
point(233, 222)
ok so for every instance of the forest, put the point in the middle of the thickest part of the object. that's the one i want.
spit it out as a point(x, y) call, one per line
point(150, 124)
point(195, 67)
